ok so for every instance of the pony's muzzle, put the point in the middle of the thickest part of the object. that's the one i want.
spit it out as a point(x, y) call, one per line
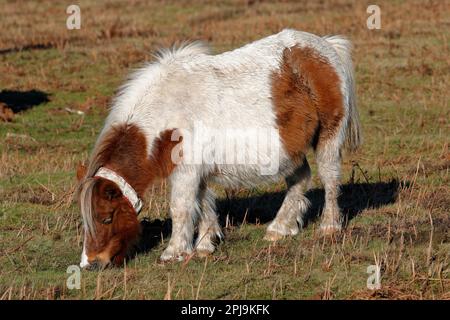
point(96, 265)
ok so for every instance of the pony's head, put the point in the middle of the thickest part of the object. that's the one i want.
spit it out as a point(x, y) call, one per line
point(111, 187)
point(110, 222)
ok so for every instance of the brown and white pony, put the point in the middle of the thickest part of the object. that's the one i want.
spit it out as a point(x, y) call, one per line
point(242, 117)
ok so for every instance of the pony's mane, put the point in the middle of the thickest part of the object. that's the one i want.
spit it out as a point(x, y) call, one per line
point(138, 82)
point(165, 55)
point(85, 189)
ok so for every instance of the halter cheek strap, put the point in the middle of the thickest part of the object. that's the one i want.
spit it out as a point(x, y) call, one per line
point(128, 192)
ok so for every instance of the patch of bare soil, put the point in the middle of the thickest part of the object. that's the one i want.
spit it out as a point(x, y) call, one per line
point(6, 114)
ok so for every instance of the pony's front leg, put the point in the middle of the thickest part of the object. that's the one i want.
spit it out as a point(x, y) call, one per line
point(184, 210)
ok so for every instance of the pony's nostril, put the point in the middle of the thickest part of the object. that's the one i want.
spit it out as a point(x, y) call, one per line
point(93, 265)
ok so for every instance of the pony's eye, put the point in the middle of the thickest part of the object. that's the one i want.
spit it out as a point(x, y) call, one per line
point(107, 220)
point(112, 194)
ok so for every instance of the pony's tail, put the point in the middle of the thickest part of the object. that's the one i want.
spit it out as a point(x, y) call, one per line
point(343, 47)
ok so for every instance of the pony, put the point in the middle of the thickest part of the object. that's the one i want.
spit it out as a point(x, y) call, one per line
point(292, 90)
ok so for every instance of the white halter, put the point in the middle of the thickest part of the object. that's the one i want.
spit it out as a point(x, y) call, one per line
point(128, 192)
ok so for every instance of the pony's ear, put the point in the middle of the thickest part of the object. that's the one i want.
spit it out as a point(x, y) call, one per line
point(81, 171)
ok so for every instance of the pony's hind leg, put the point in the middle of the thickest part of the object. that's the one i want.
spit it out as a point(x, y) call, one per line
point(295, 205)
point(328, 158)
point(208, 229)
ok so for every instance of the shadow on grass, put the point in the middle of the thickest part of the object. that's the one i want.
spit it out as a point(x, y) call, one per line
point(38, 46)
point(354, 198)
point(152, 233)
point(19, 101)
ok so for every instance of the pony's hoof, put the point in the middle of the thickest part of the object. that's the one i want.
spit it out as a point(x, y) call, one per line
point(204, 248)
point(169, 255)
point(330, 229)
point(273, 236)
point(277, 231)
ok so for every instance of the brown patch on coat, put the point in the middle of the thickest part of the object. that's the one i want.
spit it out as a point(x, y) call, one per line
point(123, 150)
point(161, 159)
point(308, 100)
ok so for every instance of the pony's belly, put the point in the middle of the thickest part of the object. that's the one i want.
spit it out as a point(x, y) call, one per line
point(251, 175)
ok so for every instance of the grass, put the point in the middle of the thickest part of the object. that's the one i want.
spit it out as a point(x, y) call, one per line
point(395, 189)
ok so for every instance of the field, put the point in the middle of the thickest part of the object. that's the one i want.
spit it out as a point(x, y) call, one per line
point(396, 188)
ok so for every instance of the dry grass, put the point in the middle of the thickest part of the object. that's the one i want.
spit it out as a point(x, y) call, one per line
point(396, 189)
